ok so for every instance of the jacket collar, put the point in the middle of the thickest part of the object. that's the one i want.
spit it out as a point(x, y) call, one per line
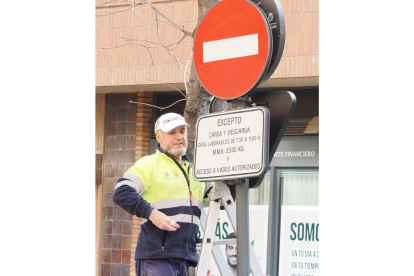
point(184, 157)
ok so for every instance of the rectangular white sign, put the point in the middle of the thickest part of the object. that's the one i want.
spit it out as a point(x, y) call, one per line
point(240, 46)
point(232, 144)
point(299, 241)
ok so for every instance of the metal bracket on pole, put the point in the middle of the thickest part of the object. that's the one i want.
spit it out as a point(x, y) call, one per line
point(221, 196)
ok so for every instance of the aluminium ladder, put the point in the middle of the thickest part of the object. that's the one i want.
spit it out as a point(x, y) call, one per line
point(221, 195)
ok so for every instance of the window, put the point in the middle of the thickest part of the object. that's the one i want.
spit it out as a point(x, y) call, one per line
point(260, 195)
point(300, 188)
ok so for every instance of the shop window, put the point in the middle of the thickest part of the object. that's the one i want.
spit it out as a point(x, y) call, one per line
point(300, 188)
point(260, 195)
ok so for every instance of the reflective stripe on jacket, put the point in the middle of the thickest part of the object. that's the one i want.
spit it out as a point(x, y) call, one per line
point(158, 181)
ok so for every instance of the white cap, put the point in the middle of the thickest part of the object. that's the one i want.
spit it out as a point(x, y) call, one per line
point(169, 121)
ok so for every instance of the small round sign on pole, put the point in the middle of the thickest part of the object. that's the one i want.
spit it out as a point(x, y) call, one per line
point(238, 45)
point(232, 48)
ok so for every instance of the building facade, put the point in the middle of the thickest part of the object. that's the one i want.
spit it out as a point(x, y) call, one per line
point(134, 64)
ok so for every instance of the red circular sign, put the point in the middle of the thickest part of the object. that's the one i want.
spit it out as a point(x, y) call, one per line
point(232, 48)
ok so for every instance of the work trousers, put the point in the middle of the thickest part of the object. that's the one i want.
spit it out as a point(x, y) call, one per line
point(161, 267)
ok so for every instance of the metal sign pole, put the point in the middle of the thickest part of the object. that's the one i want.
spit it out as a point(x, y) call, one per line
point(221, 194)
point(242, 221)
point(239, 148)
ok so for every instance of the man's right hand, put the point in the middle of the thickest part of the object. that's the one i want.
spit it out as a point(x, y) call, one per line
point(162, 221)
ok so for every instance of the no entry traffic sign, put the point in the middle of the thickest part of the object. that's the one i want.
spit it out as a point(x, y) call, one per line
point(232, 48)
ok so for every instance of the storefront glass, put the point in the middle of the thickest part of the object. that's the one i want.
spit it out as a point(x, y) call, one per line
point(300, 188)
point(298, 252)
point(260, 195)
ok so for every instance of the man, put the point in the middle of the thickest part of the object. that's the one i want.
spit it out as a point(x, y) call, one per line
point(231, 253)
point(160, 188)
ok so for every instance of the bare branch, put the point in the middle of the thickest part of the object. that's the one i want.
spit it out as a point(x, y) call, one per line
point(131, 4)
point(167, 23)
point(145, 46)
point(131, 42)
point(160, 108)
point(169, 48)
point(113, 12)
point(152, 59)
point(185, 72)
point(167, 85)
point(176, 44)
point(157, 45)
point(147, 2)
point(135, 11)
point(156, 20)
point(108, 2)
point(175, 59)
point(102, 48)
point(108, 48)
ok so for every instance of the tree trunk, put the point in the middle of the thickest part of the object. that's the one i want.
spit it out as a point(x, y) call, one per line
point(198, 98)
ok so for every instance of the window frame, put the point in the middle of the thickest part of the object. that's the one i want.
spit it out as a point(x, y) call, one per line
point(275, 207)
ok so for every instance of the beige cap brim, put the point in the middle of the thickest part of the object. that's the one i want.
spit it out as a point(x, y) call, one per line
point(171, 125)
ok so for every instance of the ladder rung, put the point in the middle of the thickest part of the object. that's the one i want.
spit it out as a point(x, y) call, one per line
point(224, 242)
point(220, 242)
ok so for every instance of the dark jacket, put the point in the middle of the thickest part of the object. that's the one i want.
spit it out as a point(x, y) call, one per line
point(158, 181)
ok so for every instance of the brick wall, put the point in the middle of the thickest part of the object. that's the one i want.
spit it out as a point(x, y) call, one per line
point(301, 54)
point(144, 116)
point(131, 64)
point(99, 147)
point(118, 157)
point(127, 127)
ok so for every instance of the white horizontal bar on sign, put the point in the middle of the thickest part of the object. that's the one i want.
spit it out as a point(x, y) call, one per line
point(235, 47)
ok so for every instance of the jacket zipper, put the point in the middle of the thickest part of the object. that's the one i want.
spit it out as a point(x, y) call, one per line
point(191, 206)
point(164, 239)
point(190, 194)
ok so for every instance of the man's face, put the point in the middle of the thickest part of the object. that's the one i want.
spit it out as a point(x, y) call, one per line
point(174, 142)
point(231, 252)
